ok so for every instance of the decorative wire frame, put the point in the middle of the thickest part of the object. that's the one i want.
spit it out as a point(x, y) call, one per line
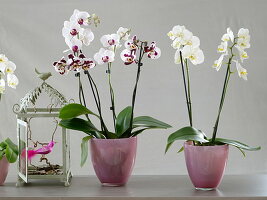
point(24, 117)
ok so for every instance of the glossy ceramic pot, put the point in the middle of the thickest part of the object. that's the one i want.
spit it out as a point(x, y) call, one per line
point(113, 159)
point(205, 164)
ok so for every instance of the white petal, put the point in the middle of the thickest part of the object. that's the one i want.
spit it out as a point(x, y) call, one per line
point(176, 44)
point(230, 34)
point(186, 51)
point(104, 40)
point(10, 67)
point(2, 86)
point(242, 72)
point(177, 59)
point(12, 80)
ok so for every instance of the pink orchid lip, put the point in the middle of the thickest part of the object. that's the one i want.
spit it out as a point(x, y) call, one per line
point(74, 32)
point(105, 59)
point(80, 21)
point(75, 48)
point(111, 42)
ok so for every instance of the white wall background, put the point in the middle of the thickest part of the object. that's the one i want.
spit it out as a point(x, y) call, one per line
point(30, 35)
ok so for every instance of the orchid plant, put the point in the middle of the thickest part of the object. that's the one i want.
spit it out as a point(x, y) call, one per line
point(125, 124)
point(232, 50)
point(7, 69)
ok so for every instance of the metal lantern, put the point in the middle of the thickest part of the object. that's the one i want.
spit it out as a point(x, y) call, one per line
point(36, 150)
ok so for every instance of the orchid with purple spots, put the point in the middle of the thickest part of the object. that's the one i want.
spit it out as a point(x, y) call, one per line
point(125, 124)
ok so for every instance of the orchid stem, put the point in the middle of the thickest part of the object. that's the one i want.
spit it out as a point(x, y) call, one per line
point(81, 95)
point(186, 90)
point(225, 85)
point(136, 83)
point(97, 100)
point(189, 93)
point(112, 97)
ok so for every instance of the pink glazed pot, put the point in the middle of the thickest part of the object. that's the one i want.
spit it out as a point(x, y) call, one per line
point(205, 164)
point(4, 165)
point(113, 159)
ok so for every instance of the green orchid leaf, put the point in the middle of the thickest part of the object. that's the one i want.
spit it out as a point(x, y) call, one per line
point(3, 145)
point(96, 134)
point(11, 151)
point(111, 135)
point(123, 121)
point(147, 121)
point(74, 110)
point(79, 125)
point(137, 132)
point(180, 150)
point(84, 149)
point(11, 145)
point(186, 133)
point(242, 151)
point(237, 144)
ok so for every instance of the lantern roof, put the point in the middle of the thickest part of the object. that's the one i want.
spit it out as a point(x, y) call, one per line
point(57, 99)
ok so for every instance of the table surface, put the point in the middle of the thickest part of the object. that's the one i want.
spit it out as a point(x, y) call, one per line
point(140, 187)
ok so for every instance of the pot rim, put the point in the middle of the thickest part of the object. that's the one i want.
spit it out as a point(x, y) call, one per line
point(186, 143)
point(105, 139)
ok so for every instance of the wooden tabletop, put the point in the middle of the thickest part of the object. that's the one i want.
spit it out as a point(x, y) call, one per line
point(140, 187)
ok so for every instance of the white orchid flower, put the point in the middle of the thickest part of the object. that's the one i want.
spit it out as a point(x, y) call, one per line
point(74, 43)
point(222, 48)
point(186, 37)
point(128, 56)
point(176, 44)
point(176, 32)
point(110, 40)
point(193, 41)
point(242, 54)
point(155, 53)
point(243, 43)
point(195, 55)
point(12, 81)
point(244, 34)
point(123, 33)
point(242, 72)
point(3, 62)
point(2, 86)
point(130, 45)
point(243, 40)
point(70, 29)
point(228, 36)
point(80, 17)
point(218, 63)
point(104, 56)
point(10, 67)
point(86, 36)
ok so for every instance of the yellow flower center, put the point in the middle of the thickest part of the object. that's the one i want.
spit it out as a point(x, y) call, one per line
point(244, 55)
point(243, 73)
point(170, 34)
point(8, 70)
point(181, 35)
point(189, 42)
point(1, 60)
point(192, 57)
